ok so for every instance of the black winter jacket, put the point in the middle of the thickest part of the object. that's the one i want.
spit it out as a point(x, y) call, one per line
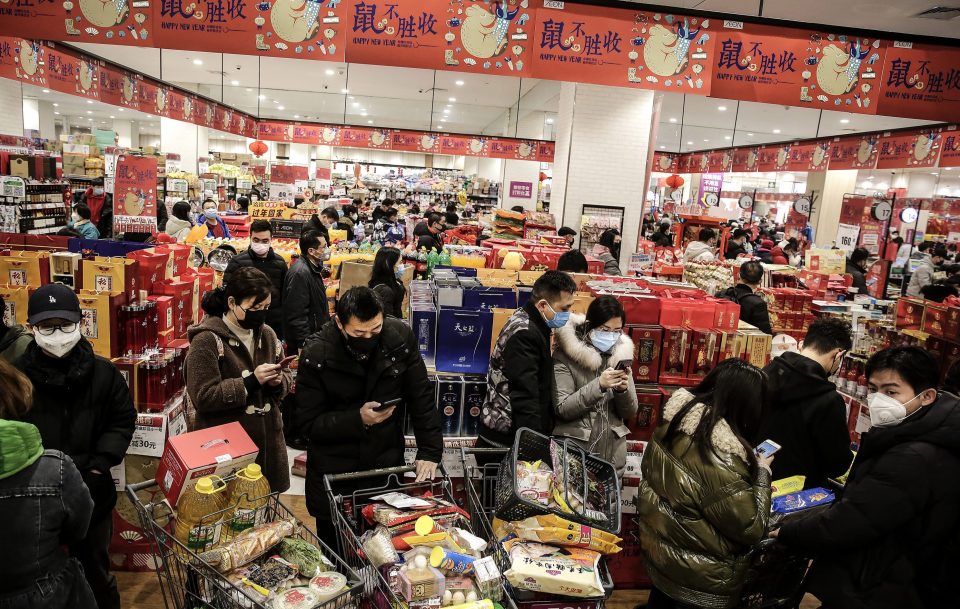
point(526, 368)
point(753, 308)
point(734, 249)
point(808, 419)
point(305, 307)
point(859, 280)
point(391, 299)
point(274, 267)
point(82, 407)
point(893, 539)
point(332, 386)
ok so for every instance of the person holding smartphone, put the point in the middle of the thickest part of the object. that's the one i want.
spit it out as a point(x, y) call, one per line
point(594, 386)
point(235, 371)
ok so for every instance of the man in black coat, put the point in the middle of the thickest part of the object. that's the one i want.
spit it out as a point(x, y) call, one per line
point(429, 233)
point(737, 244)
point(892, 540)
point(82, 407)
point(346, 372)
point(381, 210)
point(753, 308)
point(520, 379)
point(305, 307)
point(262, 257)
point(807, 416)
point(857, 267)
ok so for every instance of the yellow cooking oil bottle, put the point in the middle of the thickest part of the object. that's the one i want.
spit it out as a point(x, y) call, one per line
point(199, 520)
point(247, 497)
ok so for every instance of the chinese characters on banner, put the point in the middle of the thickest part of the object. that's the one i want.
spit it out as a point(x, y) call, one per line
point(912, 150)
point(302, 29)
point(521, 190)
point(950, 151)
point(266, 210)
point(467, 36)
point(921, 81)
point(666, 163)
point(855, 152)
point(135, 195)
point(746, 159)
point(790, 66)
point(623, 47)
point(107, 22)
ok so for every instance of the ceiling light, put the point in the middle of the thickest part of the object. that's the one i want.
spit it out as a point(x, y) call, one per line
point(452, 100)
point(89, 111)
point(749, 135)
point(443, 120)
point(46, 90)
point(89, 101)
point(776, 131)
point(198, 62)
point(356, 104)
point(261, 97)
point(118, 109)
point(727, 137)
point(57, 113)
point(235, 83)
point(280, 108)
point(673, 120)
point(55, 105)
point(844, 121)
point(248, 90)
point(344, 91)
point(663, 147)
point(549, 121)
point(689, 143)
point(275, 101)
point(459, 83)
point(446, 112)
point(90, 119)
point(113, 117)
point(722, 108)
point(369, 122)
point(329, 72)
point(706, 140)
point(363, 113)
point(439, 127)
point(296, 116)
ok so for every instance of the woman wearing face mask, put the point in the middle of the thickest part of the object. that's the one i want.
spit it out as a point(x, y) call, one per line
point(210, 218)
point(80, 221)
point(233, 369)
point(179, 224)
point(387, 280)
point(607, 249)
point(593, 395)
point(892, 539)
point(101, 209)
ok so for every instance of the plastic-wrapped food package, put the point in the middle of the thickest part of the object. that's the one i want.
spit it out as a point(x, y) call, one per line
point(542, 568)
point(533, 481)
point(249, 545)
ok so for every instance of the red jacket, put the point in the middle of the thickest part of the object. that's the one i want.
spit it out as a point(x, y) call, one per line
point(95, 204)
point(778, 257)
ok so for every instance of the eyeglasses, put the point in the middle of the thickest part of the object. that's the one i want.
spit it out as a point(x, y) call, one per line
point(67, 328)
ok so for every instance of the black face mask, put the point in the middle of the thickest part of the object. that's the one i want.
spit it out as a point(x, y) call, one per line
point(252, 320)
point(361, 347)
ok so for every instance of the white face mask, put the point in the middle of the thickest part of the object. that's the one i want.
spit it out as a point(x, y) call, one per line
point(260, 249)
point(75, 218)
point(60, 343)
point(886, 411)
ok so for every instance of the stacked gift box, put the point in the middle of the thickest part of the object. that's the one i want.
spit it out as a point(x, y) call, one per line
point(790, 309)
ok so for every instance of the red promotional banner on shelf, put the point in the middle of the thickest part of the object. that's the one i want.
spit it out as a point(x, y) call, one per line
point(800, 68)
point(489, 38)
point(309, 29)
point(118, 87)
point(920, 81)
point(287, 174)
point(910, 150)
point(624, 47)
point(855, 152)
point(665, 162)
point(415, 141)
point(135, 194)
point(950, 151)
point(745, 159)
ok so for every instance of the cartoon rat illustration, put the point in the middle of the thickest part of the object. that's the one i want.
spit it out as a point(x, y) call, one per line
point(484, 34)
point(85, 75)
point(295, 20)
point(29, 57)
point(834, 71)
point(104, 13)
point(129, 89)
point(865, 150)
point(923, 146)
point(666, 52)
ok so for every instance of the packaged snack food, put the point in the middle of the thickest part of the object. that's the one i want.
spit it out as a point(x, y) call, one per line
point(306, 556)
point(328, 585)
point(399, 521)
point(803, 500)
point(451, 562)
point(378, 547)
point(296, 598)
point(533, 481)
point(487, 576)
point(419, 584)
point(249, 545)
point(784, 486)
point(554, 530)
point(536, 567)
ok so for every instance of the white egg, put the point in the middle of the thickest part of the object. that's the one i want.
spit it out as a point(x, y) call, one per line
point(471, 596)
point(420, 561)
point(447, 598)
point(458, 598)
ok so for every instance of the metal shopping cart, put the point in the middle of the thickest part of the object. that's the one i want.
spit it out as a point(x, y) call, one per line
point(347, 501)
point(775, 578)
point(189, 582)
point(481, 482)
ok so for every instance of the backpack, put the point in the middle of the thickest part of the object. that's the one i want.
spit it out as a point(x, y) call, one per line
point(496, 413)
point(189, 411)
point(730, 294)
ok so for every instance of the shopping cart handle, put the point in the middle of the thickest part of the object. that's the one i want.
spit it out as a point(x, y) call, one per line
point(373, 473)
point(133, 489)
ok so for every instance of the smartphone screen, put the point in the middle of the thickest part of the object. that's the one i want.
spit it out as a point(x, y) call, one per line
point(623, 364)
point(285, 362)
point(766, 448)
point(388, 404)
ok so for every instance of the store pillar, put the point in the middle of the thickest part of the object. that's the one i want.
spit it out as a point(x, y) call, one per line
point(189, 141)
point(11, 120)
point(523, 175)
point(128, 133)
point(603, 147)
point(826, 210)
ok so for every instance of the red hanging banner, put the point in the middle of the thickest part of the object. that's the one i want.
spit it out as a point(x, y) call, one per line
point(287, 174)
point(720, 161)
point(920, 81)
point(770, 156)
point(415, 141)
point(820, 156)
point(854, 152)
point(519, 150)
point(789, 66)
point(665, 162)
point(118, 87)
point(147, 93)
point(745, 159)
point(135, 195)
point(546, 151)
point(484, 37)
point(108, 22)
point(624, 47)
point(910, 150)
point(950, 151)
point(301, 29)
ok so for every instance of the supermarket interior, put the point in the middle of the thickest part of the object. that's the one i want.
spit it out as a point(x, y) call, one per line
point(476, 304)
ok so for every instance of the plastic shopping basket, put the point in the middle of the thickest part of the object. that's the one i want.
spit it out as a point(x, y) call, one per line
point(345, 511)
point(188, 582)
point(575, 464)
point(481, 488)
point(775, 577)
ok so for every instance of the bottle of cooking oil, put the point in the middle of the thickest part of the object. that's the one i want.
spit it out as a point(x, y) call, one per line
point(247, 494)
point(199, 517)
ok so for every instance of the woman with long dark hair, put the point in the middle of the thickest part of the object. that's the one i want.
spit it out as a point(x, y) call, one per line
point(607, 249)
point(233, 369)
point(594, 398)
point(386, 280)
point(705, 497)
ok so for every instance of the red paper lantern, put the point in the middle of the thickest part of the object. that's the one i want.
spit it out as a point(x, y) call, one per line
point(258, 148)
point(674, 181)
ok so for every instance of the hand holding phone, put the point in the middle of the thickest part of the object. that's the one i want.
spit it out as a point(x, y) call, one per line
point(285, 362)
point(624, 364)
point(388, 404)
point(766, 449)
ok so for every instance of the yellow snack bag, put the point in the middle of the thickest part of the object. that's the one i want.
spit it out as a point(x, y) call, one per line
point(786, 486)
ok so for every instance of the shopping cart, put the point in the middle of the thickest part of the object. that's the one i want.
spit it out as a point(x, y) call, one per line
point(348, 522)
point(189, 582)
point(481, 482)
point(775, 578)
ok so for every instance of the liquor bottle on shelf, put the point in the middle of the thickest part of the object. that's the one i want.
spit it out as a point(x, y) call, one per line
point(862, 384)
point(850, 386)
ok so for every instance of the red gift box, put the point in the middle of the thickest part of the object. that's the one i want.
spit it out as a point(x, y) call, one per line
point(182, 293)
point(699, 313)
point(165, 310)
point(647, 342)
point(951, 326)
point(151, 267)
point(726, 315)
point(676, 352)
point(650, 402)
point(950, 355)
point(640, 309)
point(180, 255)
point(934, 318)
point(704, 352)
point(909, 313)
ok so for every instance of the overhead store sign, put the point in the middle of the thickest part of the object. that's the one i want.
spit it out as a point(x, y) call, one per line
point(910, 150)
point(921, 81)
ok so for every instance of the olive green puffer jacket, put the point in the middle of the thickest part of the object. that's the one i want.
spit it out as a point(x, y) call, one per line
point(700, 517)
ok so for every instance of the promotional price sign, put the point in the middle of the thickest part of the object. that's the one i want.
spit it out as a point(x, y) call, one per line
point(267, 210)
point(135, 195)
point(847, 235)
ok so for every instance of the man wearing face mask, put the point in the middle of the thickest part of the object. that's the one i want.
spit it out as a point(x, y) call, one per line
point(210, 218)
point(305, 307)
point(101, 209)
point(892, 539)
point(262, 257)
point(520, 379)
point(807, 416)
point(82, 406)
point(355, 380)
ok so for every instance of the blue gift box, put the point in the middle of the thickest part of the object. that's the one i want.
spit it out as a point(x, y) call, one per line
point(490, 298)
point(474, 394)
point(463, 341)
point(423, 321)
point(103, 247)
point(450, 402)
